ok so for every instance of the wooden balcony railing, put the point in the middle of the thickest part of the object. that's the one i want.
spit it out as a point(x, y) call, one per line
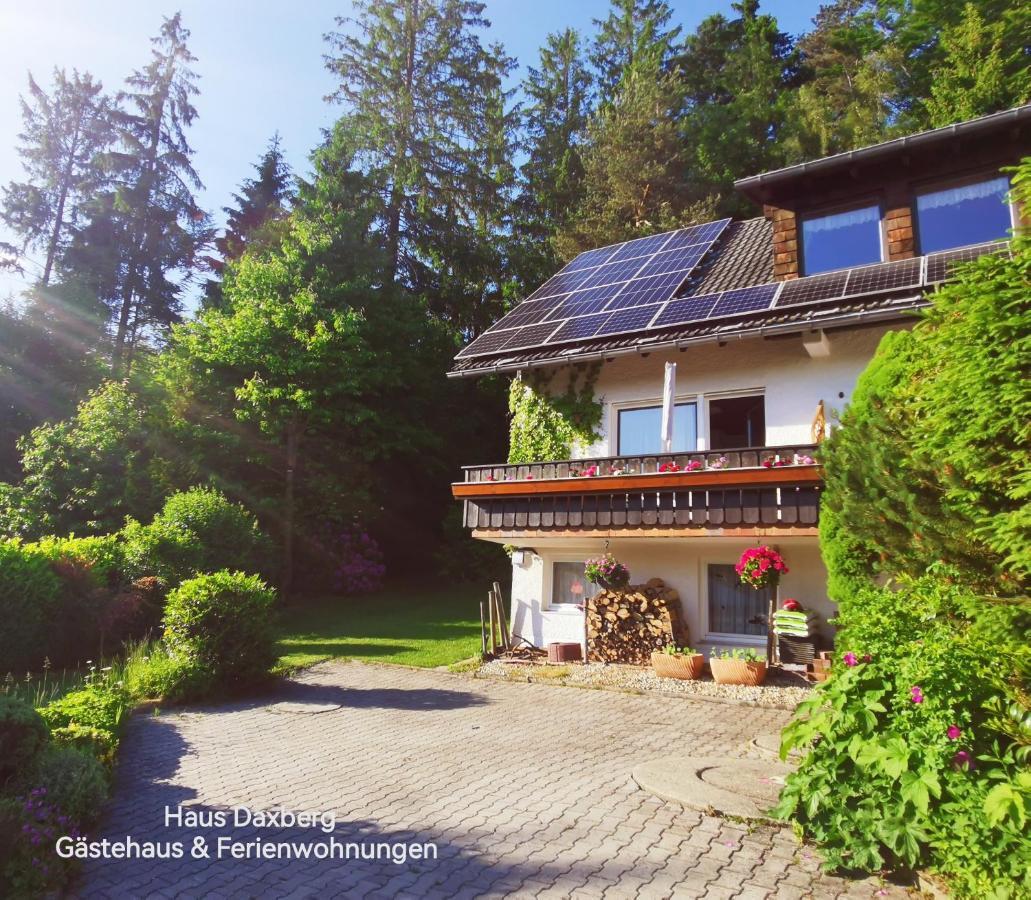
point(762, 487)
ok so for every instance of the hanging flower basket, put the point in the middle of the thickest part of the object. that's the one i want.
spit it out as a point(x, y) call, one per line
point(760, 567)
point(608, 572)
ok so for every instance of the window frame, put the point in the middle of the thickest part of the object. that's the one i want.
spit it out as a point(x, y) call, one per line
point(732, 395)
point(934, 185)
point(720, 637)
point(549, 578)
point(819, 212)
point(629, 405)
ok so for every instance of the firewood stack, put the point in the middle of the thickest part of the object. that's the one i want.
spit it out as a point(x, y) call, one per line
point(625, 626)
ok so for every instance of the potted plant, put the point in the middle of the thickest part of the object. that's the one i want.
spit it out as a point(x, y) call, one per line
point(608, 572)
point(737, 667)
point(674, 662)
point(760, 567)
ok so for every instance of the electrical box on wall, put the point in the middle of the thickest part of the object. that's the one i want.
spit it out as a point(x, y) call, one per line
point(518, 557)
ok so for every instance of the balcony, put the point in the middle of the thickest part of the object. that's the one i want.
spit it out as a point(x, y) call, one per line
point(750, 490)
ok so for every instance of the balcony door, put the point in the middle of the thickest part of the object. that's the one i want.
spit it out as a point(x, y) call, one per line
point(737, 422)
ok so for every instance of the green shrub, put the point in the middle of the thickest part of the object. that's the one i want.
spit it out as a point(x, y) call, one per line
point(197, 531)
point(150, 672)
point(97, 705)
point(223, 624)
point(890, 740)
point(102, 555)
point(98, 743)
point(29, 868)
point(74, 781)
point(30, 598)
point(23, 735)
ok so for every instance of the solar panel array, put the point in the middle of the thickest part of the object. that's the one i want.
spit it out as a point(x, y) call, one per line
point(604, 291)
point(647, 299)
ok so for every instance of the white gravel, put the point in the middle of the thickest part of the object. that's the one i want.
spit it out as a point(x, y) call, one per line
point(783, 690)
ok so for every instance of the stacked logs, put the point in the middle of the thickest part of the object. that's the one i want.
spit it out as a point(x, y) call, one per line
point(627, 625)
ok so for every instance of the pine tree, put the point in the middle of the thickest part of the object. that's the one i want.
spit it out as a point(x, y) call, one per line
point(972, 79)
point(555, 121)
point(634, 37)
point(739, 77)
point(262, 202)
point(849, 98)
point(417, 85)
point(154, 225)
point(64, 131)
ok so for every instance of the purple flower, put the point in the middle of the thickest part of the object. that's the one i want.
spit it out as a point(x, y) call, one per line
point(954, 732)
point(963, 760)
point(916, 694)
point(850, 659)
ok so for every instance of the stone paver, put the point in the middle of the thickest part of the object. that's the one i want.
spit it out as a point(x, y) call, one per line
point(524, 789)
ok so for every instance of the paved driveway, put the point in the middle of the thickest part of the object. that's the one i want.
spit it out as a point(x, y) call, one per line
point(524, 789)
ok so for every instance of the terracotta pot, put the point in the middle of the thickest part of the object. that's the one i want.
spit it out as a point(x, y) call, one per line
point(688, 667)
point(737, 671)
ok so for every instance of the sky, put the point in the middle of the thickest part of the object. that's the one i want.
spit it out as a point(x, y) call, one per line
point(260, 62)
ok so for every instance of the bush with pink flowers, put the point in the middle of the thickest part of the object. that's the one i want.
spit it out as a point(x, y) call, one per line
point(760, 567)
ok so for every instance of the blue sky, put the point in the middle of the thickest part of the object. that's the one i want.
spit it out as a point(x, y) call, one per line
point(260, 64)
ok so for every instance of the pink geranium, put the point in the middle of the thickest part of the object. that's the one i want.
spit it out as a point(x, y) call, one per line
point(850, 659)
point(916, 694)
point(760, 567)
point(954, 732)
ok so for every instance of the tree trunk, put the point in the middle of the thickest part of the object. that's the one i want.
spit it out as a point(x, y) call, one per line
point(292, 441)
point(55, 234)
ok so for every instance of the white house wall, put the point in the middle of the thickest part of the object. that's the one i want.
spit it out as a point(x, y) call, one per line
point(680, 562)
point(793, 382)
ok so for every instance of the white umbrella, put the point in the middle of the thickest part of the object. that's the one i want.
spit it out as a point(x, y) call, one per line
point(669, 392)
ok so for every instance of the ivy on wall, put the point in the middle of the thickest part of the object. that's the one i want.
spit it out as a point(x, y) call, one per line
point(546, 423)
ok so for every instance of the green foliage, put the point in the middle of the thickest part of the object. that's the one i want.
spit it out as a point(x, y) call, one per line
point(23, 735)
point(150, 672)
point(546, 424)
point(86, 739)
point(100, 704)
point(102, 555)
point(222, 623)
point(196, 531)
point(884, 782)
point(30, 598)
point(743, 653)
point(74, 781)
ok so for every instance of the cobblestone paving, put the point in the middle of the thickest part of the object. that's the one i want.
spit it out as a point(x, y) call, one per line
point(524, 788)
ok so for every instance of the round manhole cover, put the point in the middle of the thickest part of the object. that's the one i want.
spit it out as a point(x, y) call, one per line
point(302, 709)
point(746, 777)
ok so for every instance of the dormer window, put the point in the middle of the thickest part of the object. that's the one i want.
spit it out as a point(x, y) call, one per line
point(840, 240)
point(961, 215)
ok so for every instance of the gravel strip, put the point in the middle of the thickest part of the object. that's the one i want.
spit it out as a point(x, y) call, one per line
point(782, 690)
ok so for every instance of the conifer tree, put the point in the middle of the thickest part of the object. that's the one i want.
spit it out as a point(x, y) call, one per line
point(64, 130)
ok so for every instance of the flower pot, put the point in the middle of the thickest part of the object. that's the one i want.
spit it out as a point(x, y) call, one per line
point(613, 584)
point(684, 666)
point(737, 671)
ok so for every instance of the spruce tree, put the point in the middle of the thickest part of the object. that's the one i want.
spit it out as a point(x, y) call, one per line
point(64, 131)
point(155, 226)
point(419, 89)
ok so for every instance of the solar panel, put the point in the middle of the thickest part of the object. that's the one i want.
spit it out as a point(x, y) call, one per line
point(587, 259)
point(682, 260)
point(884, 277)
point(562, 283)
point(612, 273)
point(744, 300)
point(645, 246)
point(488, 342)
point(687, 309)
point(531, 336)
point(575, 329)
point(629, 319)
point(641, 291)
point(940, 265)
point(697, 234)
point(571, 308)
point(813, 288)
point(527, 313)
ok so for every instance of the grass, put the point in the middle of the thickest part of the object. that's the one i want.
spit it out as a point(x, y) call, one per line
point(408, 623)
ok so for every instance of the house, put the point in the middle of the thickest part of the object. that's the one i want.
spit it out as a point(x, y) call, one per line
point(770, 321)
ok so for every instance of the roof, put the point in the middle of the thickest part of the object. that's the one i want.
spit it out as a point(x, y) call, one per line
point(933, 139)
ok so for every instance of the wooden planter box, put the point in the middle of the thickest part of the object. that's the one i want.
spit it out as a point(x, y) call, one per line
point(737, 671)
point(687, 667)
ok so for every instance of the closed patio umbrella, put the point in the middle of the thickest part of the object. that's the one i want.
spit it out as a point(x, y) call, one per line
point(669, 393)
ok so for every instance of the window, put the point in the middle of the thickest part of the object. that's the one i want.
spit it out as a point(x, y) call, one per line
point(733, 607)
point(569, 585)
point(737, 422)
point(640, 430)
point(841, 240)
point(963, 215)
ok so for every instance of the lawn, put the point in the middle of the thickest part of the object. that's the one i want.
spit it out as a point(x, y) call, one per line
point(405, 623)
